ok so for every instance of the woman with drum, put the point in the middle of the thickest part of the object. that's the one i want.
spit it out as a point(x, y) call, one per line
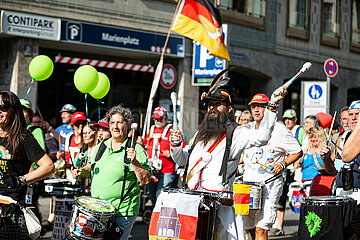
point(311, 161)
point(115, 173)
point(88, 143)
point(19, 150)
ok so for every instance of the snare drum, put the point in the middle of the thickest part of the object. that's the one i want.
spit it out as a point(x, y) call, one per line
point(61, 187)
point(91, 218)
point(326, 217)
point(255, 193)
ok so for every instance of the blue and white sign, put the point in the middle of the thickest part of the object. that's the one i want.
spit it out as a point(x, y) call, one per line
point(314, 98)
point(315, 91)
point(121, 38)
point(206, 65)
point(30, 25)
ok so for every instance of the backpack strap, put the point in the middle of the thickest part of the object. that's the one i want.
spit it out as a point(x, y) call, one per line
point(230, 127)
point(166, 129)
point(99, 153)
point(297, 133)
point(152, 129)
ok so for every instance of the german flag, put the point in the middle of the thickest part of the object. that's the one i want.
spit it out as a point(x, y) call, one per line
point(241, 198)
point(201, 21)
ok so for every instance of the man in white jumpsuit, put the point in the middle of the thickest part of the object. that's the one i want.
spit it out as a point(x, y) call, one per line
point(206, 158)
point(281, 150)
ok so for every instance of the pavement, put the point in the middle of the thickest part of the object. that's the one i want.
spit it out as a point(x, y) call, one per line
point(140, 230)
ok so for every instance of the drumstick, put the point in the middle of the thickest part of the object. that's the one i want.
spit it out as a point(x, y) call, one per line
point(173, 97)
point(59, 143)
point(41, 116)
point(269, 167)
point(336, 145)
point(332, 124)
point(304, 68)
point(134, 126)
point(141, 122)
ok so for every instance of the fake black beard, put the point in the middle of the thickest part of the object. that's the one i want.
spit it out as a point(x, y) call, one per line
point(212, 127)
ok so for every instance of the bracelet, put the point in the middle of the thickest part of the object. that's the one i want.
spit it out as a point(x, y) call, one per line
point(22, 180)
point(282, 165)
point(285, 163)
point(272, 107)
point(49, 128)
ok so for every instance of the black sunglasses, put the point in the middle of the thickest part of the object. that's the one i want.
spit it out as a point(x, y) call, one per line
point(78, 123)
point(215, 104)
point(4, 107)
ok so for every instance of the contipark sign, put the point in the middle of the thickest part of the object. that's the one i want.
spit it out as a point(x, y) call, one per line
point(29, 25)
point(120, 38)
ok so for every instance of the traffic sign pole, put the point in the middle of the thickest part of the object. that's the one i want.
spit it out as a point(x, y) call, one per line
point(328, 94)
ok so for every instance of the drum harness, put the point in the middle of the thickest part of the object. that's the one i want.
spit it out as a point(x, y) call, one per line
point(230, 128)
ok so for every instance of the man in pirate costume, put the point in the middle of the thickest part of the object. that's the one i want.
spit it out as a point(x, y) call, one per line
point(267, 167)
point(204, 157)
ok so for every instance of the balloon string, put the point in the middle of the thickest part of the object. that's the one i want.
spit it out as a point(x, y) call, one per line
point(99, 102)
point(86, 107)
point(99, 109)
point(29, 89)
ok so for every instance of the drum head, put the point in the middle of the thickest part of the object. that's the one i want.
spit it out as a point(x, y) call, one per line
point(56, 181)
point(96, 205)
point(249, 183)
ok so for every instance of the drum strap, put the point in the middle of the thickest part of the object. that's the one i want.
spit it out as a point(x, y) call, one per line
point(315, 159)
point(229, 134)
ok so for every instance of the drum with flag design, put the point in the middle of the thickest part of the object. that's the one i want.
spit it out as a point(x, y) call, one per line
point(247, 195)
point(183, 214)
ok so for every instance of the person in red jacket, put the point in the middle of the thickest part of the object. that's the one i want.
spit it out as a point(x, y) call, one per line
point(157, 145)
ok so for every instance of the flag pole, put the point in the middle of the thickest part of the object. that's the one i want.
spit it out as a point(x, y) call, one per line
point(157, 76)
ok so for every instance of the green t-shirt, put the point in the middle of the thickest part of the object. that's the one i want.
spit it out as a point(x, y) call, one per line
point(38, 135)
point(108, 176)
point(40, 138)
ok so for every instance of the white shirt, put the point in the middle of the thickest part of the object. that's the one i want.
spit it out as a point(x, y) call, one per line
point(281, 143)
point(208, 178)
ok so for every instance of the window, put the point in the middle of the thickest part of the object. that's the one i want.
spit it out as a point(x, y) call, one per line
point(248, 12)
point(330, 33)
point(355, 25)
point(298, 19)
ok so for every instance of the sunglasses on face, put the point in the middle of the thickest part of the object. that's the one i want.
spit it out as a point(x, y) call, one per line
point(4, 107)
point(257, 106)
point(88, 133)
point(215, 104)
point(78, 123)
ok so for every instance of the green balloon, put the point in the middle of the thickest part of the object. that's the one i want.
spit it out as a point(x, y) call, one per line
point(86, 78)
point(41, 67)
point(102, 87)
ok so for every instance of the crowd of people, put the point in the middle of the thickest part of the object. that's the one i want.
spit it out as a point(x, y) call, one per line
point(110, 162)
